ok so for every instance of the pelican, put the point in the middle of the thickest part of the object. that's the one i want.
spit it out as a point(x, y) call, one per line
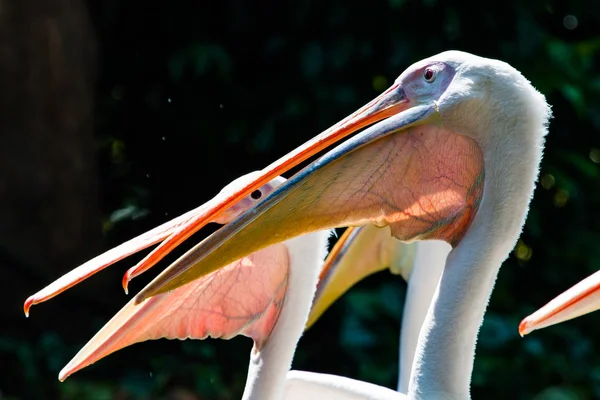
point(242, 298)
point(580, 299)
point(266, 296)
point(453, 155)
point(365, 250)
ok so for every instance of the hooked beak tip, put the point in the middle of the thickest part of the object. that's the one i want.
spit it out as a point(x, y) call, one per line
point(28, 303)
point(125, 282)
point(525, 327)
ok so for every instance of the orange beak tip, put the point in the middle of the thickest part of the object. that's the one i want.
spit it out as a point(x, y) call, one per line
point(524, 328)
point(27, 305)
point(125, 283)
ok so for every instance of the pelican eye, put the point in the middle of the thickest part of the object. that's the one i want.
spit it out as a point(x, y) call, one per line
point(257, 194)
point(429, 75)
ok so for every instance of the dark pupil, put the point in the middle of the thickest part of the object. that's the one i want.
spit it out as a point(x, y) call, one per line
point(428, 74)
point(256, 194)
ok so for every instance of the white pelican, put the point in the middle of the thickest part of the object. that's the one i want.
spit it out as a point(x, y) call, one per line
point(580, 299)
point(265, 296)
point(245, 298)
point(456, 160)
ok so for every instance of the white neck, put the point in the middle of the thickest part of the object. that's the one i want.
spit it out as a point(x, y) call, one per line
point(512, 150)
point(429, 262)
point(269, 366)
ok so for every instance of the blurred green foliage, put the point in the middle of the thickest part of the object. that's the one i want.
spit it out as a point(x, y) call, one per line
point(193, 94)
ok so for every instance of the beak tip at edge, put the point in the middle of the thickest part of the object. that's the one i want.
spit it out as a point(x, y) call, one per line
point(525, 327)
point(125, 282)
point(64, 373)
point(28, 303)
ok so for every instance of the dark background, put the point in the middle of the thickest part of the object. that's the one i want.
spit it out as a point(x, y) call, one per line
point(118, 115)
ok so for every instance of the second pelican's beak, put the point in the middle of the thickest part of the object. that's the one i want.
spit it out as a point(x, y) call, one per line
point(359, 253)
point(581, 299)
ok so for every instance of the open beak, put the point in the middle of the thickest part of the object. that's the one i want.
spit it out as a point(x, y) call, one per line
point(164, 232)
point(579, 300)
point(358, 253)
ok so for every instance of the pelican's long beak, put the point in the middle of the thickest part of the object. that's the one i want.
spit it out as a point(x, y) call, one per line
point(408, 172)
point(176, 231)
point(579, 300)
point(358, 253)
